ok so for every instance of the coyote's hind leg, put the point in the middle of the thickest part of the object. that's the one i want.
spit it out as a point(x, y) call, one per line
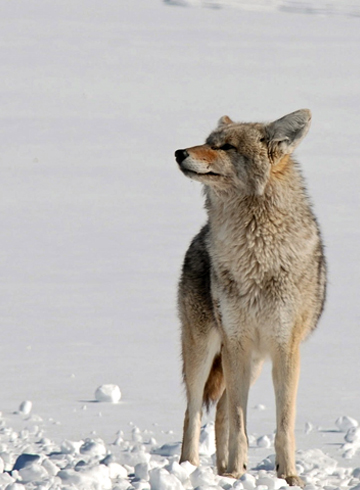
point(222, 434)
point(198, 357)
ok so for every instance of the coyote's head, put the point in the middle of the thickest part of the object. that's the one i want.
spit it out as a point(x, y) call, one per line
point(243, 155)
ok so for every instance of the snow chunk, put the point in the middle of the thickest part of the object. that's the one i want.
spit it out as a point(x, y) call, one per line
point(349, 450)
point(207, 440)
point(94, 448)
point(238, 485)
point(264, 487)
point(345, 423)
point(50, 467)
point(161, 479)
point(248, 481)
point(179, 471)
point(263, 441)
point(140, 485)
point(267, 481)
point(226, 482)
point(108, 393)
point(267, 464)
point(97, 477)
point(316, 459)
point(15, 486)
point(280, 483)
point(32, 473)
point(170, 449)
point(25, 407)
point(142, 471)
point(188, 467)
point(6, 479)
point(29, 468)
point(71, 447)
point(134, 457)
point(353, 435)
point(136, 435)
point(123, 485)
point(116, 470)
point(203, 475)
point(260, 406)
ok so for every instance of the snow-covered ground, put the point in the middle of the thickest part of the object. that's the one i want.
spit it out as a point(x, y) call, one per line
point(95, 219)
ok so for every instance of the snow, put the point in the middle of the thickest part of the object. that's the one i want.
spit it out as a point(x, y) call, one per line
point(32, 459)
point(108, 393)
point(95, 220)
point(346, 423)
point(25, 407)
point(263, 441)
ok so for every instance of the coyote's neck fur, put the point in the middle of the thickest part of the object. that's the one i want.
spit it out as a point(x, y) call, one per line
point(256, 239)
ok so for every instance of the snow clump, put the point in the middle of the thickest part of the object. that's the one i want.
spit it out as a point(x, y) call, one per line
point(345, 423)
point(108, 393)
point(263, 441)
point(25, 407)
point(207, 440)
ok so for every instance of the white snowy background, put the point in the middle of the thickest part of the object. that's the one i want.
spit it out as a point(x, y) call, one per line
point(95, 97)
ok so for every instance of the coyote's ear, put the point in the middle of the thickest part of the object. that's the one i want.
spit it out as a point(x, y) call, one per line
point(285, 134)
point(223, 121)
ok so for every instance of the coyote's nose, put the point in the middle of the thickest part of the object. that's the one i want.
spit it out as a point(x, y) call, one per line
point(180, 155)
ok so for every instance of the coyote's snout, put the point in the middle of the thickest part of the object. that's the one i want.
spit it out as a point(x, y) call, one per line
point(252, 285)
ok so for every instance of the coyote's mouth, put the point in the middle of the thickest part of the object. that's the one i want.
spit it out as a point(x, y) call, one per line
point(200, 174)
point(189, 171)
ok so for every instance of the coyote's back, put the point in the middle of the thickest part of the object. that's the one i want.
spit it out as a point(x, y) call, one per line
point(253, 283)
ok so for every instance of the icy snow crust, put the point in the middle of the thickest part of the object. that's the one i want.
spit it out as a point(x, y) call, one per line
point(95, 219)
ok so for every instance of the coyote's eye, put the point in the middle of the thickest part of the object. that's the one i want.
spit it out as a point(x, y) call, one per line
point(262, 140)
point(227, 147)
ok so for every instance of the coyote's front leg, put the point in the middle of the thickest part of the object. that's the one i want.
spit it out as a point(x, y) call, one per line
point(237, 370)
point(286, 368)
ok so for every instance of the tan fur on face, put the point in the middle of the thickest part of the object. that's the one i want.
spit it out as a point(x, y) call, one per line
point(253, 284)
point(203, 153)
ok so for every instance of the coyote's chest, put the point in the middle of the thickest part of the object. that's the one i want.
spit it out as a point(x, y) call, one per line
point(249, 249)
point(251, 259)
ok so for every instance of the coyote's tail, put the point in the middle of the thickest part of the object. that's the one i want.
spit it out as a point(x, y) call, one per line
point(215, 383)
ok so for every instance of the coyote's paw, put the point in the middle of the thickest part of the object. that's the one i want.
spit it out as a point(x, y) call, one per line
point(233, 474)
point(221, 470)
point(295, 481)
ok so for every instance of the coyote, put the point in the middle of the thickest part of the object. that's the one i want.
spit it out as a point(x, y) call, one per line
point(253, 284)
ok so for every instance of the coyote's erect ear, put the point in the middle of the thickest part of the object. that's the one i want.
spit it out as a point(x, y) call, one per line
point(285, 134)
point(223, 121)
